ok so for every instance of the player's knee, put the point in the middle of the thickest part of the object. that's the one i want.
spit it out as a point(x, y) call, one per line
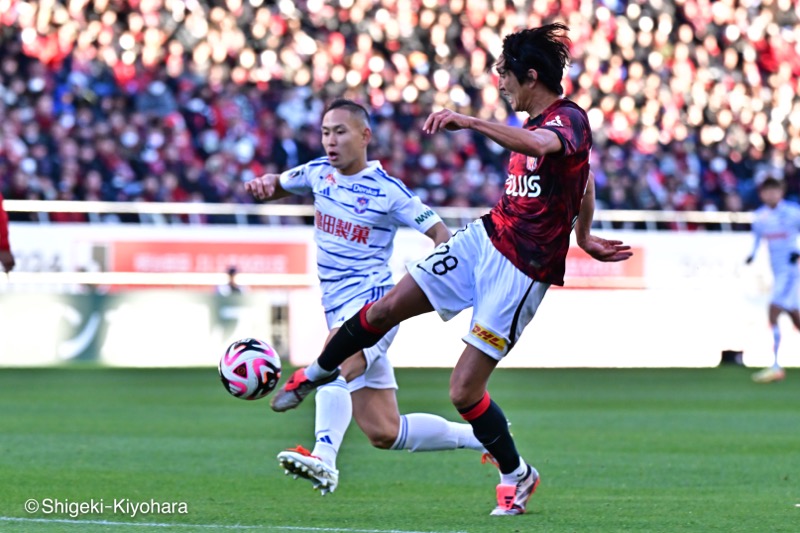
point(382, 438)
point(381, 314)
point(461, 396)
point(354, 367)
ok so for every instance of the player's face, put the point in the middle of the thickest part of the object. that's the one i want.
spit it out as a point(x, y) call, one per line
point(771, 196)
point(345, 138)
point(510, 87)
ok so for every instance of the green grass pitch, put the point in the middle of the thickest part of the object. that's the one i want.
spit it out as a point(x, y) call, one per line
point(619, 450)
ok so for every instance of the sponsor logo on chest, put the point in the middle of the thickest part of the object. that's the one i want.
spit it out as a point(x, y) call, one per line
point(524, 186)
point(341, 228)
point(363, 189)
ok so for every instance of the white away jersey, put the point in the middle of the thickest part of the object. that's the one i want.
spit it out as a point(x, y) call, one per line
point(779, 227)
point(356, 218)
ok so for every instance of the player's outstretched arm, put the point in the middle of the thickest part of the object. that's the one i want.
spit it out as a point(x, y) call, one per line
point(534, 143)
point(601, 249)
point(266, 187)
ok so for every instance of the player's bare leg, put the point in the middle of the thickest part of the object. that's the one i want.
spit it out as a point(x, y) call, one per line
point(404, 301)
point(518, 480)
point(377, 414)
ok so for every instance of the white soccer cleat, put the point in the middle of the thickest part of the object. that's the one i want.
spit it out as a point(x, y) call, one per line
point(769, 375)
point(300, 463)
point(513, 499)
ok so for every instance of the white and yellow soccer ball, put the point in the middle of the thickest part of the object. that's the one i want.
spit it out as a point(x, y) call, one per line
point(250, 369)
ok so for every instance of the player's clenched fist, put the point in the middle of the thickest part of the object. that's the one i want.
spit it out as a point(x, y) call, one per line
point(263, 187)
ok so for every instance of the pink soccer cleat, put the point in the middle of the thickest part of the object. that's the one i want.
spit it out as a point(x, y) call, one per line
point(513, 499)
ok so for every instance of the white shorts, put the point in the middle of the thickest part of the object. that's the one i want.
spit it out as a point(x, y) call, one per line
point(468, 271)
point(785, 290)
point(379, 373)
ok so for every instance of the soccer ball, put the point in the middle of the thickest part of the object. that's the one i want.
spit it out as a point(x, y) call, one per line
point(250, 369)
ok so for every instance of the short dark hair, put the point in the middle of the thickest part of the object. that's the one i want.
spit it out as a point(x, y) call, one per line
point(544, 49)
point(349, 105)
point(770, 183)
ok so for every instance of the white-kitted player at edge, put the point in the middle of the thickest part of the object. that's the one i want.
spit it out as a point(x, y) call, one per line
point(358, 208)
point(778, 223)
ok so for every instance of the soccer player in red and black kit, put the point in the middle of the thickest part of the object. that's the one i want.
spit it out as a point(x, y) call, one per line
point(502, 264)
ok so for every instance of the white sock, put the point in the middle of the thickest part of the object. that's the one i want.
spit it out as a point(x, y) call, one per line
point(333, 415)
point(314, 372)
point(423, 432)
point(514, 477)
point(776, 337)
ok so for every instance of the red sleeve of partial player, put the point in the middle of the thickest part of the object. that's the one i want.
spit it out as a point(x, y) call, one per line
point(4, 245)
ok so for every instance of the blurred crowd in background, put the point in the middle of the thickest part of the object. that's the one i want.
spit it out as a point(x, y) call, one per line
point(692, 102)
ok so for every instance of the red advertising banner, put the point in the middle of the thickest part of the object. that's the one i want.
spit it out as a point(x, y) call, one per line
point(247, 257)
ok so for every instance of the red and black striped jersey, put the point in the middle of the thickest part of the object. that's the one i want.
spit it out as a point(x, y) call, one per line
point(531, 223)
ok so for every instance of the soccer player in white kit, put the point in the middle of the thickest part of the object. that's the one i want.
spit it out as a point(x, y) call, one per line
point(358, 208)
point(778, 222)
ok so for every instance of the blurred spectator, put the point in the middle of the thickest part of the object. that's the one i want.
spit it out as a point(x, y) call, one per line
point(231, 287)
point(168, 100)
point(6, 257)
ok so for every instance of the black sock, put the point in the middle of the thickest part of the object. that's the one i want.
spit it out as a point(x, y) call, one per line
point(354, 335)
point(490, 427)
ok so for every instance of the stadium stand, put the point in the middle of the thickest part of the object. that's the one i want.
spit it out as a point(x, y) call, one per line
point(691, 101)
